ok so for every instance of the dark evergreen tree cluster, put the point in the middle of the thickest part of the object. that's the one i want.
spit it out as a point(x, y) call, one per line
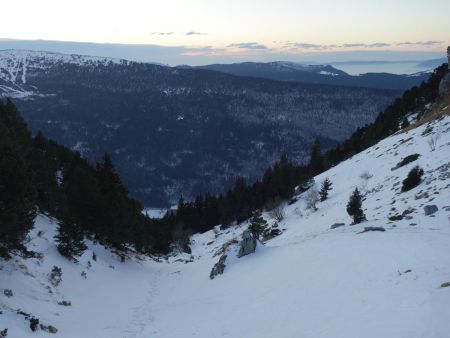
point(37, 174)
point(257, 224)
point(238, 204)
point(18, 195)
point(413, 179)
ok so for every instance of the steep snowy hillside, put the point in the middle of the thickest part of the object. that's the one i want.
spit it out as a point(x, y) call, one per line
point(311, 281)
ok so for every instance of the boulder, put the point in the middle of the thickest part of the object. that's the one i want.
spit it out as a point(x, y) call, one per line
point(4, 333)
point(430, 209)
point(49, 328)
point(337, 225)
point(270, 233)
point(248, 244)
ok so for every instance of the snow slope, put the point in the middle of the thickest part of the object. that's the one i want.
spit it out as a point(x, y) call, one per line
point(311, 281)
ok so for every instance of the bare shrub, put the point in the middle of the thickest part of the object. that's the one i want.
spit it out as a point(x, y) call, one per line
point(366, 175)
point(277, 213)
point(433, 140)
point(312, 198)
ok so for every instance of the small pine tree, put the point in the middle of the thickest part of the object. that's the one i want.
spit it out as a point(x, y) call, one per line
point(70, 239)
point(325, 188)
point(354, 207)
point(413, 179)
point(257, 224)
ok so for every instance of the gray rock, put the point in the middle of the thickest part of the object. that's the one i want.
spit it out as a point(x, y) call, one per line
point(430, 209)
point(65, 303)
point(49, 328)
point(337, 225)
point(248, 244)
point(4, 333)
point(270, 233)
point(367, 229)
point(219, 267)
point(8, 293)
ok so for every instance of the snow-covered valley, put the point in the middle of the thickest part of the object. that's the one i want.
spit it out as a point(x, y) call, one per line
point(311, 281)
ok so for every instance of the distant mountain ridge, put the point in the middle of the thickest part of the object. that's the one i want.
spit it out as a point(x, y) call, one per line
point(172, 130)
point(319, 74)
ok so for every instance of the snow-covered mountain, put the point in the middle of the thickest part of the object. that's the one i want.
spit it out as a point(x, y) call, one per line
point(16, 66)
point(314, 280)
point(173, 131)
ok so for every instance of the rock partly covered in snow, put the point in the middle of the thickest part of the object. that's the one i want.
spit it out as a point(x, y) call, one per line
point(430, 209)
point(367, 229)
point(248, 244)
point(48, 328)
point(337, 225)
point(219, 267)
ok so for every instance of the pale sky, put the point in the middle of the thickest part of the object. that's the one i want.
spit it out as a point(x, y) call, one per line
point(237, 28)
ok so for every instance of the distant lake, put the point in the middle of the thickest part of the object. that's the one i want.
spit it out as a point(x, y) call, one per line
point(381, 67)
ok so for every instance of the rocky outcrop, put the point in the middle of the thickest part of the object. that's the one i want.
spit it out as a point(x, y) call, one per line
point(337, 225)
point(219, 267)
point(271, 232)
point(248, 244)
point(430, 209)
point(367, 229)
point(49, 328)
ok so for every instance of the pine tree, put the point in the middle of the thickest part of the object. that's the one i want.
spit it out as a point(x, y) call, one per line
point(325, 188)
point(257, 224)
point(70, 238)
point(354, 207)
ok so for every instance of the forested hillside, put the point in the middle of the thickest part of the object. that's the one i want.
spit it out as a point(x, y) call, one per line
point(172, 131)
point(39, 175)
